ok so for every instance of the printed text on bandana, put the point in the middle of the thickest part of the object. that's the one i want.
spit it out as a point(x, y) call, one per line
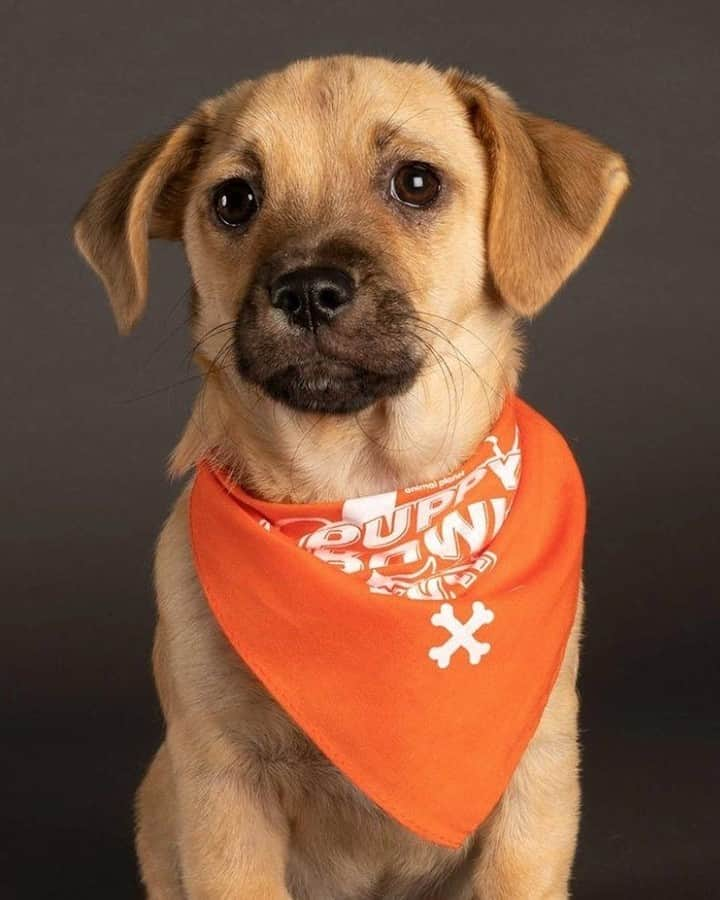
point(426, 542)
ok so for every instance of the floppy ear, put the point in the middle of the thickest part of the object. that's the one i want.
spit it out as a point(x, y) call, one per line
point(141, 198)
point(552, 192)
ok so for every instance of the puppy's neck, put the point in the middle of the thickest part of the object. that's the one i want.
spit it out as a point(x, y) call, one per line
point(281, 455)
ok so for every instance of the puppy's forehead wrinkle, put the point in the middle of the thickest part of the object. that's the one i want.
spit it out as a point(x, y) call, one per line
point(333, 115)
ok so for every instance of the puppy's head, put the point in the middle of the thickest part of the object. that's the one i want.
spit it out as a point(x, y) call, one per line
point(337, 213)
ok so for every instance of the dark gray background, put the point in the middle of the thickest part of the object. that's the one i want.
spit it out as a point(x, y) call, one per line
point(624, 361)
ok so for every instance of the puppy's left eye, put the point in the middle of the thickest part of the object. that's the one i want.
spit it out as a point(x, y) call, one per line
point(415, 184)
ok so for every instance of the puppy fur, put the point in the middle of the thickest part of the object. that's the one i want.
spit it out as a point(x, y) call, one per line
point(237, 803)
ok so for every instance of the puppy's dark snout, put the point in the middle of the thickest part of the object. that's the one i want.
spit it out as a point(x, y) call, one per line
point(312, 296)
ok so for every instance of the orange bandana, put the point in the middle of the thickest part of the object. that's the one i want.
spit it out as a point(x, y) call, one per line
point(413, 635)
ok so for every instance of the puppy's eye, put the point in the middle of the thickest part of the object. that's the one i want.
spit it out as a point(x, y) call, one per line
point(235, 202)
point(415, 184)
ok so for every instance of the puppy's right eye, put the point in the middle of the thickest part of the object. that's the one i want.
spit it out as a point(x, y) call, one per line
point(235, 202)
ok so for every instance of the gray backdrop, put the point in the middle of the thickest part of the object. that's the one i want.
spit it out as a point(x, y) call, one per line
point(624, 361)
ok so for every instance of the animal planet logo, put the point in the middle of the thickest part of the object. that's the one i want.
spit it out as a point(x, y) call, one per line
point(426, 548)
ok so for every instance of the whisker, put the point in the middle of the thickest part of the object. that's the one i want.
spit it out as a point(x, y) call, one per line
point(212, 332)
point(167, 387)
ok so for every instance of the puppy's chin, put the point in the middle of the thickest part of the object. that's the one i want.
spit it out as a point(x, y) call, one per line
point(326, 385)
point(331, 386)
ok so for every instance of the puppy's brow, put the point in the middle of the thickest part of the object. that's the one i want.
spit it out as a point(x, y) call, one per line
point(249, 156)
point(385, 134)
point(403, 145)
point(244, 156)
point(388, 135)
point(386, 131)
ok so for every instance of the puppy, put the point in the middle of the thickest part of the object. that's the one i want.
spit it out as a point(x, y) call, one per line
point(364, 237)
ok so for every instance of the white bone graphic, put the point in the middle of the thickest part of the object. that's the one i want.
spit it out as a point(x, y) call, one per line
point(462, 634)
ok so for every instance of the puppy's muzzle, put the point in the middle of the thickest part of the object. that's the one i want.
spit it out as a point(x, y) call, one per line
point(327, 329)
point(312, 296)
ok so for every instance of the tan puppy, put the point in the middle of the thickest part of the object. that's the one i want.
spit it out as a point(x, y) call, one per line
point(425, 213)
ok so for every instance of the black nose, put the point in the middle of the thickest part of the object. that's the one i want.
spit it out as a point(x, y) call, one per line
point(311, 296)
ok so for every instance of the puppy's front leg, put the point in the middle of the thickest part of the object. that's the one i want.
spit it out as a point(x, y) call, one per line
point(529, 841)
point(229, 850)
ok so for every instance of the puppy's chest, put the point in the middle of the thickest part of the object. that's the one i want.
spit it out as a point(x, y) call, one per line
point(342, 846)
point(281, 762)
point(288, 770)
